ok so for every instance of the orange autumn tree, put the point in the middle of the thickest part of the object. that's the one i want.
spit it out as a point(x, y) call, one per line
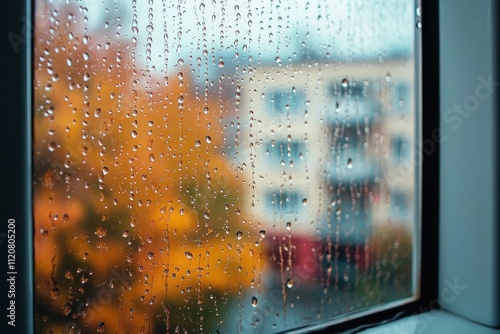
point(138, 224)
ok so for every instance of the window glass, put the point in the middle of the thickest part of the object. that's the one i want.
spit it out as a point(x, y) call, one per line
point(283, 201)
point(400, 149)
point(282, 152)
point(286, 101)
point(400, 210)
point(400, 97)
point(223, 166)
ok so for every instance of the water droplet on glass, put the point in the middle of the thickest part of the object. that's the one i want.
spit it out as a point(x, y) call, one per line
point(208, 139)
point(239, 235)
point(254, 301)
point(100, 231)
point(55, 293)
point(349, 163)
point(289, 283)
point(188, 255)
point(52, 146)
point(338, 211)
point(66, 309)
point(100, 327)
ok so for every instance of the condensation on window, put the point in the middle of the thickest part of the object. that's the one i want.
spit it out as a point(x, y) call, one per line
point(222, 166)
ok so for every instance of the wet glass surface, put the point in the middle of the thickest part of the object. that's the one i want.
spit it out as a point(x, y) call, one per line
point(230, 166)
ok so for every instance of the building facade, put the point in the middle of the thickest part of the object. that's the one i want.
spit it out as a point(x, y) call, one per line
point(330, 148)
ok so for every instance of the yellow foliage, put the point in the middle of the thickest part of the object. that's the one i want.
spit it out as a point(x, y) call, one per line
point(137, 167)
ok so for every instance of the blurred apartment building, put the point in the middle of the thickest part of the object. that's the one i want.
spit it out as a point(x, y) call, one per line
point(330, 147)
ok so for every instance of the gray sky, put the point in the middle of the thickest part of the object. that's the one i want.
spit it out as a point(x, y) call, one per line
point(344, 29)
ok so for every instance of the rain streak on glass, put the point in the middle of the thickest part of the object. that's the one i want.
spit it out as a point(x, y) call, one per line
point(222, 166)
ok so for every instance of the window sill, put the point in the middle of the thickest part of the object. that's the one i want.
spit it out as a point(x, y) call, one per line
point(433, 322)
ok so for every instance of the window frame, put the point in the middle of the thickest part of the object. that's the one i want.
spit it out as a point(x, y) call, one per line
point(17, 91)
point(16, 35)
